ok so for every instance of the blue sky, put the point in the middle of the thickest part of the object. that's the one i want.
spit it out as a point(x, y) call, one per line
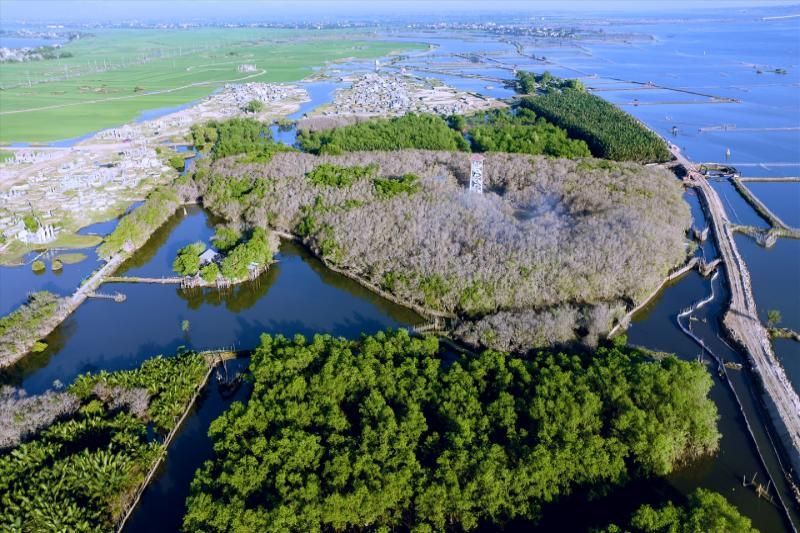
point(314, 10)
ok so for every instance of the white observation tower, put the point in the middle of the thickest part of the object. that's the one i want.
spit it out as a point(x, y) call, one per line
point(476, 174)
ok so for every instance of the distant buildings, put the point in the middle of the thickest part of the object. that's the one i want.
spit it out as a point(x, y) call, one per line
point(375, 94)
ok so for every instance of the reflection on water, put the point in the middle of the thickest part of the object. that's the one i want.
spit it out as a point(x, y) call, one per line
point(298, 295)
point(189, 224)
point(18, 281)
point(295, 296)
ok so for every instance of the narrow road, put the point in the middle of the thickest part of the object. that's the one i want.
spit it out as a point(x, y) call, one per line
point(743, 324)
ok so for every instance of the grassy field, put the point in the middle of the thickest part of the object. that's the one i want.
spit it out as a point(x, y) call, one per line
point(116, 74)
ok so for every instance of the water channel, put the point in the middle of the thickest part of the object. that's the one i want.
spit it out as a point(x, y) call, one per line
point(299, 295)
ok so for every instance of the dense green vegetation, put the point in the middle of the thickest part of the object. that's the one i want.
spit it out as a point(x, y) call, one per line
point(38, 266)
point(421, 131)
point(705, 512)
point(235, 136)
point(225, 238)
point(257, 250)
point(378, 433)
point(389, 187)
point(17, 327)
point(136, 227)
point(187, 262)
point(609, 132)
point(81, 472)
point(502, 130)
point(327, 175)
point(529, 83)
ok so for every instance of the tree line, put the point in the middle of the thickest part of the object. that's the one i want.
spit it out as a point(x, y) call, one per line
point(609, 132)
point(378, 433)
point(521, 131)
point(235, 136)
point(421, 131)
point(136, 227)
point(704, 512)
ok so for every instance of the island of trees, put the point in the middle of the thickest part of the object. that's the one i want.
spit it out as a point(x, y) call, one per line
point(379, 433)
point(241, 260)
point(556, 250)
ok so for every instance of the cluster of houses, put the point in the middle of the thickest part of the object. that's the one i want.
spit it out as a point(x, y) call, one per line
point(71, 184)
point(238, 95)
point(42, 235)
point(29, 156)
point(380, 94)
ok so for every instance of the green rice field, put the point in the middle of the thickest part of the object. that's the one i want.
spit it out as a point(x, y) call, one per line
point(116, 74)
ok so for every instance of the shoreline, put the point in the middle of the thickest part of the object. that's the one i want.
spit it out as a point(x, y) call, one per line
point(165, 448)
point(743, 326)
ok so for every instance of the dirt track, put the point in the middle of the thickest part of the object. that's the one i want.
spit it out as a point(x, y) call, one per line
point(742, 322)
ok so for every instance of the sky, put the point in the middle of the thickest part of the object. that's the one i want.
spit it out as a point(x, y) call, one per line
point(93, 11)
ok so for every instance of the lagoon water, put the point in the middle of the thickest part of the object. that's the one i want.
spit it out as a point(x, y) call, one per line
point(299, 295)
point(296, 295)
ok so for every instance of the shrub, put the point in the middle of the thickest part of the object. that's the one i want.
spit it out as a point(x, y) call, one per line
point(327, 175)
point(209, 273)
point(226, 238)
point(187, 263)
point(389, 187)
point(254, 106)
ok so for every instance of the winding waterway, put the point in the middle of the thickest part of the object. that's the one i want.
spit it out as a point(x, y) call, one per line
point(299, 295)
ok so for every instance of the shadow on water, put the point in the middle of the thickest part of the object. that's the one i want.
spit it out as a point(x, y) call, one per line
point(164, 501)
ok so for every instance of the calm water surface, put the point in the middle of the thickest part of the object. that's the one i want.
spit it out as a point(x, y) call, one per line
point(299, 295)
point(783, 199)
